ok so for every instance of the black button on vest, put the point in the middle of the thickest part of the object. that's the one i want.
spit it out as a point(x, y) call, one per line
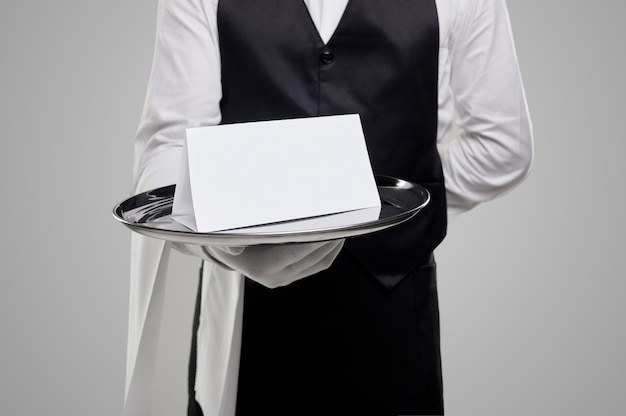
point(327, 57)
point(381, 63)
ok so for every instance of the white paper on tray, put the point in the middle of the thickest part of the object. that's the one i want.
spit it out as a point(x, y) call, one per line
point(248, 174)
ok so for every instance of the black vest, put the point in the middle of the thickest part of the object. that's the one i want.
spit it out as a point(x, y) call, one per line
point(380, 63)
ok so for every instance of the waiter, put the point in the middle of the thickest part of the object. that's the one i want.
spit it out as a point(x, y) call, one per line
point(343, 327)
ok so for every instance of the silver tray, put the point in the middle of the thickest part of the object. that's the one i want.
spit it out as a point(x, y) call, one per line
point(148, 213)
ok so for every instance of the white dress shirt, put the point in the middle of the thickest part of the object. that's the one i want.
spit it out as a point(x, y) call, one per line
point(484, 138)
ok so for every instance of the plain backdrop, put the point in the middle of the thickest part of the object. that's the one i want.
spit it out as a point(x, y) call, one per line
point(531, 285)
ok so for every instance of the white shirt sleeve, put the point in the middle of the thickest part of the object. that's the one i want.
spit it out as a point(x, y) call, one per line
point(491, 149)
point(184, 89)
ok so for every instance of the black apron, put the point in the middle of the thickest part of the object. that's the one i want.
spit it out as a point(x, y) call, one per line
point(361, 337)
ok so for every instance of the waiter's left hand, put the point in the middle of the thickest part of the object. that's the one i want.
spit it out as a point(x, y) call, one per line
point(270, 265)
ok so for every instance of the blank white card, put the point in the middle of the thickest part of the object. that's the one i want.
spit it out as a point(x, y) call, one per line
point(248, 174)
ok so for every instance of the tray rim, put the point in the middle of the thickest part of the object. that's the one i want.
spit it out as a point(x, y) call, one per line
point(232, 238)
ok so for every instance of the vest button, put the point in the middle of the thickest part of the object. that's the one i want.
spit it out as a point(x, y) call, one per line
point(327, 57)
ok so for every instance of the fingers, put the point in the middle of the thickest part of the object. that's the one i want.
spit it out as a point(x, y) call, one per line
point(270, 265)
point(319, 260)
point(267, 261)
point(234, 251)
point(278, 265)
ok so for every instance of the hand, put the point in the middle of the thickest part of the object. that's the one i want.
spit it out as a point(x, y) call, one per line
point(270, 265)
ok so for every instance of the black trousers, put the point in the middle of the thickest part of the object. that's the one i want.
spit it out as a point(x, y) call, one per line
point(339, 343)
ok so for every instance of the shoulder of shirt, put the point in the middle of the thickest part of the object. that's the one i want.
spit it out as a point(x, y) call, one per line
point(457, 16)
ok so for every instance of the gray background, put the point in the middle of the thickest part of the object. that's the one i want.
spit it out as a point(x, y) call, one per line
point(531, 285)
